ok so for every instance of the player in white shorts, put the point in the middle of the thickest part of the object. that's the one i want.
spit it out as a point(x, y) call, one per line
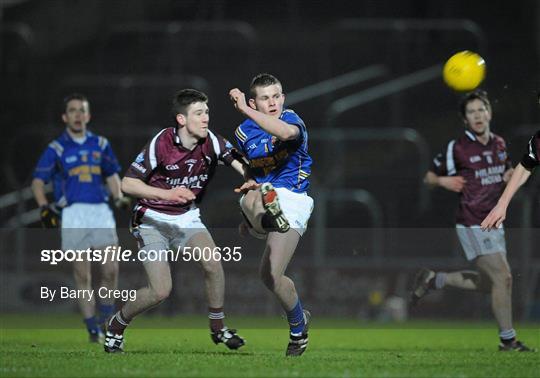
point(169, 178)
point(476, 166)
point(87, 225)
point(275, 142)
point(80, 164)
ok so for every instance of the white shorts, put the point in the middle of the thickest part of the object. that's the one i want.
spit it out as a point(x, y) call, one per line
point(476, 242)
point(161, 232)
point(297, 208)
point(88, 225)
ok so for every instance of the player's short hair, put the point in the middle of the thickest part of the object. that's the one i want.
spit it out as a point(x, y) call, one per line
point(74, 96)
point(478, 94)
point(182, 99)
point(262, 80)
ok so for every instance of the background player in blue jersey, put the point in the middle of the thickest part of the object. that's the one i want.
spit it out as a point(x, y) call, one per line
point(80, 164)
point(275, 142)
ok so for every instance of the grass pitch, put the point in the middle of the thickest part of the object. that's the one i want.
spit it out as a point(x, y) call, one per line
point(52, 346)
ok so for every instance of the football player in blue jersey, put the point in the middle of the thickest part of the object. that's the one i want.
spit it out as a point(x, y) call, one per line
point(274, 140)
point(80, 164)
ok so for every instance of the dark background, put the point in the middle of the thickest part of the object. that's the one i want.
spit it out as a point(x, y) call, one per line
point(129, 57)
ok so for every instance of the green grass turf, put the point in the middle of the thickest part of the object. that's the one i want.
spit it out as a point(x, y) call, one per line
point(181, 347)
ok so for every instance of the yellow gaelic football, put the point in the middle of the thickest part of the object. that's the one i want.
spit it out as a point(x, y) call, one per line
point(464, 71)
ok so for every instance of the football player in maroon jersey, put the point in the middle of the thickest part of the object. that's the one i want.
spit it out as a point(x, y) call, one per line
point(476, 166)
point(169, 178)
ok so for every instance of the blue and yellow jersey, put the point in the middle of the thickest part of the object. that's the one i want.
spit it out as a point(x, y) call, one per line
point(77, 169)
point(283, 164)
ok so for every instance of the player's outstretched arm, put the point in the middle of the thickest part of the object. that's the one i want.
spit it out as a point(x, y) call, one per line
point(272, 125)
point(139, 189)
point(451, 183)
point(498, 214)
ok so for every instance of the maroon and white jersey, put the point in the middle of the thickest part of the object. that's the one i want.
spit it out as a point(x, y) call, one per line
point(482, 167)
point(165, 163)
point(531, 158)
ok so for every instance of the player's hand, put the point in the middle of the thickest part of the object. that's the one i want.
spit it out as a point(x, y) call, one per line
point(239, 99)
point(247, 186)
point(495, 218)
point(452, 183)
point(122, 203)
point(50, 216)
point(180, 195)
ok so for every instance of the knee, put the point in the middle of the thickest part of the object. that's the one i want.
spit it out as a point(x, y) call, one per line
point(161, 293)
point(82, 276)
point(212, 267)
point(504, 278)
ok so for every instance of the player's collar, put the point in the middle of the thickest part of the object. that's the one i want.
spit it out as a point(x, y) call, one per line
point(178, 142)
point(472, 137)
point(285, 110)
point(68, 137)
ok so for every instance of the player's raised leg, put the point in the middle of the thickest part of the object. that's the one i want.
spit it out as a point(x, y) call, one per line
point(273, 217)
point(277, 255)
point(263, 211)
point(494, 276)
point(253, 210)
point(427, 280)
point(214, 281)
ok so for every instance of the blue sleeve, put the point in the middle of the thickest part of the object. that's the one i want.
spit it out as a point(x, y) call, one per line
point(109, 163)
point(260, 150)
point(47, 165)
point(250, 142)
point(292, 118)
point(241, 138)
